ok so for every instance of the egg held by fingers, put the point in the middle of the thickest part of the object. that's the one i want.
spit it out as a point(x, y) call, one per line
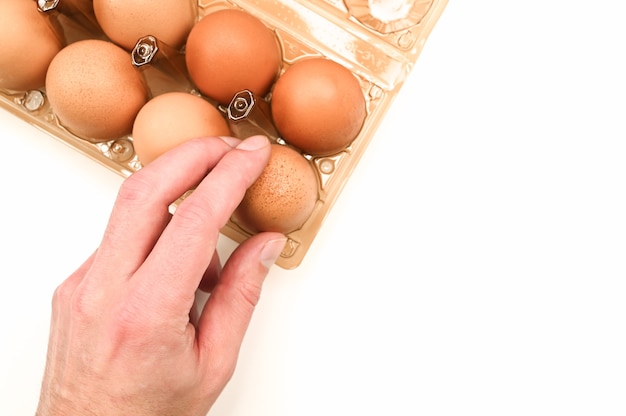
point(283, 197)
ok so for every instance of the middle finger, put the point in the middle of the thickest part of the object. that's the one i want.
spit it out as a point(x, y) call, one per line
point(141, 210)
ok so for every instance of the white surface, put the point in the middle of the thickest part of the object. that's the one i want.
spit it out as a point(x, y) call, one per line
point(475, 263)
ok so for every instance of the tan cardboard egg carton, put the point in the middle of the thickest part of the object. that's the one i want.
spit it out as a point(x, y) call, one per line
point(379, 41)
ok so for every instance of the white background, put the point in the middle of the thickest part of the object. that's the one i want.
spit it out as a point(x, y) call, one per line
point(474, 264)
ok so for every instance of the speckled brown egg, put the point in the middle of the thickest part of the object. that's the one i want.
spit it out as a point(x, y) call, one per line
point(127, 21)
point(94, 89)
point(231, 50)
point(171, 119)
point(283, 197)
point(29, 43)
point(318, 106)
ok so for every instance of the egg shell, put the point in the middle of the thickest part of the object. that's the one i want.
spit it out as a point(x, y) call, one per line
point(318, 106)
point(171, 119)
point(127, 21)
point(29, 43)
point(283, 197)
point(229, 51)
point(94, 89)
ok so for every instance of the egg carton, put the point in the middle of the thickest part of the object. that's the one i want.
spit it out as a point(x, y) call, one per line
point(379, 41)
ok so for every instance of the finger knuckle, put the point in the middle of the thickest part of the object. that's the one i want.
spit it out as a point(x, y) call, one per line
point(82, 305)
point(250, 293)
point(127, 322)
point(195, 212)
point(62, 294)
point(137, 189)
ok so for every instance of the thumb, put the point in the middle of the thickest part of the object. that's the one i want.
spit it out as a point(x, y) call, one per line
point(228, 311)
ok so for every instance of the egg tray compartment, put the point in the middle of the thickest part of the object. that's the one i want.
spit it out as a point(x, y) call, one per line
point(380, 53)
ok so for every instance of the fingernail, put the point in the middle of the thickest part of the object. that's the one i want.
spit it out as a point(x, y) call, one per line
point(271, 251)
point(253, 143)
point(231, 141)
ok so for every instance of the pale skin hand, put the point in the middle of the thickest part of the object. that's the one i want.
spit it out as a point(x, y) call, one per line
point(121, 338)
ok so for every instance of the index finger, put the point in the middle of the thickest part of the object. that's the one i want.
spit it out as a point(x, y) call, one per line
point(184, 250)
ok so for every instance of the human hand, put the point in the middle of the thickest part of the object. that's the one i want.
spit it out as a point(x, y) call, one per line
point(121, 338)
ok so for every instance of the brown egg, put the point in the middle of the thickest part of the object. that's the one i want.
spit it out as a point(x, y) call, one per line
point(94, 89)
point(283, 197)
point(29, 42)
point(229, 51)
point(171, 119)
point(318, 106)
point(126, 21)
